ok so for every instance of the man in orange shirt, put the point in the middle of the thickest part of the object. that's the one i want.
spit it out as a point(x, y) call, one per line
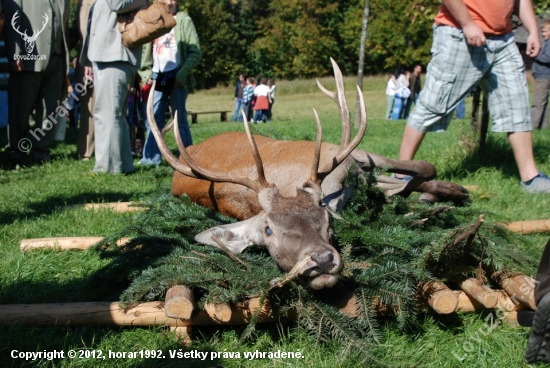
point(473, 43)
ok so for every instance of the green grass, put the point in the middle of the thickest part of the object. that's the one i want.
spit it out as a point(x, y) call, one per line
point(32, 207)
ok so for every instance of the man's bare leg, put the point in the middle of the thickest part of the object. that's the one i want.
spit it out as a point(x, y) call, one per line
point(522, 146)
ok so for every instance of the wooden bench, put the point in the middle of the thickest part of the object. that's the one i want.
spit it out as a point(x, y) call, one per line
point(194, 115)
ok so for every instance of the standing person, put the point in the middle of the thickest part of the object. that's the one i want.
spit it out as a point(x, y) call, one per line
point(173, 57)
point(473, 43)
point(262, 101)
point(415, 85)
point(248, 94)
point(399, 101)
point(114, 69)
point(85, 145)
point(541, 74)
point(391, 89)
point(272, 89)
point(239, 89)
point(38, 68)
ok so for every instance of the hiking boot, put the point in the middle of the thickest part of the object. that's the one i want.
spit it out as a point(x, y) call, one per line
point(539, 184)
point(538, 346)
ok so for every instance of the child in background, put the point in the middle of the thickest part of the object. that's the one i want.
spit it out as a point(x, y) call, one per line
point(391, 89)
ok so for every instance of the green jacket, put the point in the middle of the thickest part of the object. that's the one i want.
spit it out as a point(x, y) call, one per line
point(188, 48)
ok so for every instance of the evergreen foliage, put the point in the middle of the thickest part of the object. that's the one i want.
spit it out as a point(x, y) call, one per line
point(389, 247)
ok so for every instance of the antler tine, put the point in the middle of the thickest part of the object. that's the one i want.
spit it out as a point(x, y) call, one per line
point(202, 173)
point(345, 151)
point(317, 154)
point(159, 137)
point(255, 153)
point(192, 169)
point(340, 99)
point(167, 128)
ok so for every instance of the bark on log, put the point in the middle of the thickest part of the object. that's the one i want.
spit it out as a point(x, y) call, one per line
point(219, 312)
point(179, 302)
point(440, 297)
point(468, 304)
point(480, 292)
point(110, 313)
point(64, 243)
point(520, 287)
point(528, 227)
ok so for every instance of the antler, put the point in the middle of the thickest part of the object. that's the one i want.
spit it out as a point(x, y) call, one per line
point(347, 147)
point(35, 33)
point(16, 29)
point(192, 169)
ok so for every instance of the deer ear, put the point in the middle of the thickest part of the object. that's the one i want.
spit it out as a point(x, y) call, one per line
point(236, 237)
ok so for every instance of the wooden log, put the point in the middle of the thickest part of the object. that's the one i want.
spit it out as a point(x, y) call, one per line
point(480, 292)
point(511, 318)
point(467, 303)
point(528, 227)
point(64, 243)
point(519, 287)
point(113, 206)
point(265, 310)
point(182, 333)
point(110, 313)
point(219, 312)
point(440, 297)
point(179, 302)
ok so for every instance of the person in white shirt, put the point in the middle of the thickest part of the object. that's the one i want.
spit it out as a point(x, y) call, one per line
point(263, 97)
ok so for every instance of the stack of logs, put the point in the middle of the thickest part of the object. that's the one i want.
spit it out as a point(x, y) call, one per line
point(179, 310)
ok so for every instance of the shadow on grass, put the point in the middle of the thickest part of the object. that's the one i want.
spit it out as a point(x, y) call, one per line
point(49, 206)
point(497, 154)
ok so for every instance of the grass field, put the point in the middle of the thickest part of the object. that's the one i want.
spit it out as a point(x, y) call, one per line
point(31, 206)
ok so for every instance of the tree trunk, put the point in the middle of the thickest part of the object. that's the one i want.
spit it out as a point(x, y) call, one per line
point(361, 60)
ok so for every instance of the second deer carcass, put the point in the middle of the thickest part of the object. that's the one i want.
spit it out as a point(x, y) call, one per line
point(283, 191)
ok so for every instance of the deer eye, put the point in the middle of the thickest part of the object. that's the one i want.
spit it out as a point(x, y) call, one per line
point(268, 231)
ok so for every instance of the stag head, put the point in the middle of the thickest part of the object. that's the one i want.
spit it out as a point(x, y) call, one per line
point(30, 41)
point(295, 230)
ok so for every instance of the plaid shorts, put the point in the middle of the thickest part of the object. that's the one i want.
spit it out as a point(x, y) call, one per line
point(455, 70)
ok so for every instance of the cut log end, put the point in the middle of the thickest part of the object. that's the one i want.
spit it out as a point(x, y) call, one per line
point(442, 299)
point(179, 302)
point(480, 292)
point(219, 312)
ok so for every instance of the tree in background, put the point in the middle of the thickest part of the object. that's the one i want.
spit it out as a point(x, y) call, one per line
point(295, 38)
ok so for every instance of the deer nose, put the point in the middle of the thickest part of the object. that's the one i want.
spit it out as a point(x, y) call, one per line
point(323, 259)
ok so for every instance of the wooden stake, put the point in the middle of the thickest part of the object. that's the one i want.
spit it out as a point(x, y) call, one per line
point(219, 312)
point(113, 206)
point(64, 243)
point(179, 302)
point(182, 333)
point(520, 288)
point(480, 292)
point(440, 297)
point(528, 227)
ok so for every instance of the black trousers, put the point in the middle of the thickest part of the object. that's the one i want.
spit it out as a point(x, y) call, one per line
point(543, 275)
